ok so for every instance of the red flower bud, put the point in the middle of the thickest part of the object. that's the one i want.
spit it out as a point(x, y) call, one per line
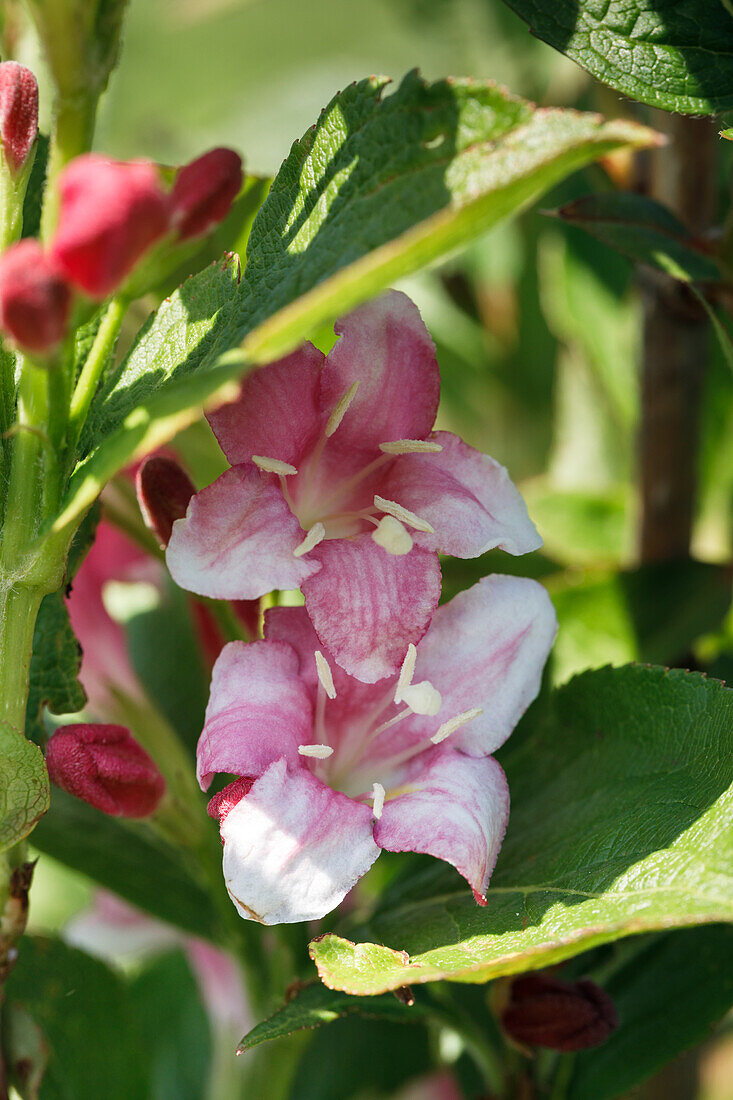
point(105, 766)
point(204, 191)
point(545, 1012)
point(163, 491)
point(34, 299)
point(111, 212)
point(18, 113)
point(225, 801)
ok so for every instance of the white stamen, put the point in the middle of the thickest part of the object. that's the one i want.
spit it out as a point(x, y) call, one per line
point(378, 793)
point(454, 724)
point(422, 698)
point(392, 536)
point(316, 534)
point(325, 675)
point(339, 411)
point(392, 508)
point(410, 446)
point(320, 752)
point(406, 672)
point(274, 465)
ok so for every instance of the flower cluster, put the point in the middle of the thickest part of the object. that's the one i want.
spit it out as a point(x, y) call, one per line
point(112, 214)
point(366, 719)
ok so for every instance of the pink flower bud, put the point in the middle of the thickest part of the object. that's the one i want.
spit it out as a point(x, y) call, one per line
point(163, 490)
point(34, 299)
point(18, 113)
point(224, 802)
point(105, 766)
point(205, 190)
point(111, 212)
point(545, 1012)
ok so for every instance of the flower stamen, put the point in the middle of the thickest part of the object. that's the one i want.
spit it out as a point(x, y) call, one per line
point(454, 724)
point(340, 409)
point(410, 446)
point(316, 534)
point(422, 698)
point(325, 675)
point(404, 515)
point(319, 752)
point(406, 672)
point(378, 793)
point(274, 466)
point(392, 536)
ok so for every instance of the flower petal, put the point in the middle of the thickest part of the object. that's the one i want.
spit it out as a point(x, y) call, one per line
point(486, 648)
point(293, 848)
point(259, 710)
point(237, 539)
point(466, 496)
point(276, 413)
point(456, 809)
point(367, 605)
point(386, 348)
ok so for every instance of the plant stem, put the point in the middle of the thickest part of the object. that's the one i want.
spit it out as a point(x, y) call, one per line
point(72, 135)
point(98, 357)
point(674, 349)
point(18, 611)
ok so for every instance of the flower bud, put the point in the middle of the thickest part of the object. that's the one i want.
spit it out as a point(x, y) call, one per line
point(34, 299)
point(204, 191)
point(105, 766)
point(224, 802)
point(163, 491)
point(111, 212)
point(545, 1012)
point(18, 113)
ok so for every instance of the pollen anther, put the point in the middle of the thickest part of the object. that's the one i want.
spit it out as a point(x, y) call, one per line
point(422, 698)
point(274, 466)
point(404, 515)
point(406, 672)
point(392, 536)
point(325, 675)
point(340, 409)
point(410, 446)
point(454, 724)
point(378, 793)
point(315, 534)
point(320, 752)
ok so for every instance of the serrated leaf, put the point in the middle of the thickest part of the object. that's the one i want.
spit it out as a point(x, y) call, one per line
point(673, 54)
point(55, 665)
point(24, 789)
point(376, 189)
point(645, 231)
point(668, 993)
point(620, 823)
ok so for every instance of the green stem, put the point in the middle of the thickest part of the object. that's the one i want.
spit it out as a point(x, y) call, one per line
point(18, 611)
point(93, 369)
point(25, 488)
point(72, 135)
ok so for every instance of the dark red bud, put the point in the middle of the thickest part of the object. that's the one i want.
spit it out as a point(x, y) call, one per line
point(105, 766)
point(163, 492)
point(545, 1012)
point(18, 113)
point(111, 212)
point(225, 801)
point(204, 191)
point(34, 299)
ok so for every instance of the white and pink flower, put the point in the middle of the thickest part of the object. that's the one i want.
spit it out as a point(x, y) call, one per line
point(339, 486)
point(332, 770)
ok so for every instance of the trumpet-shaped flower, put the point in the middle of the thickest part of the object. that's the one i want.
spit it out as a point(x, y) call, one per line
point(332, 769)
point(339, 486)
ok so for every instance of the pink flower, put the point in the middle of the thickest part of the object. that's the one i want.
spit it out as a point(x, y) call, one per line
point(105, 766)
point(204, 191)
point(333, 770)
point(111, 213)
point(339, 486)
point(18, 113)
point(34, 299)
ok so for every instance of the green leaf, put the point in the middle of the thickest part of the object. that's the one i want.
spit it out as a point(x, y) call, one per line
point(55, 667)
point(33, 201)
point(315, 1005)
point(620, 822)
point(131, 861)
point(24, 790)
point(84, 1012)
point(673, 54)
point(668, 992)
point(378, 188)
point(175, 1029)
point(645, 231)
